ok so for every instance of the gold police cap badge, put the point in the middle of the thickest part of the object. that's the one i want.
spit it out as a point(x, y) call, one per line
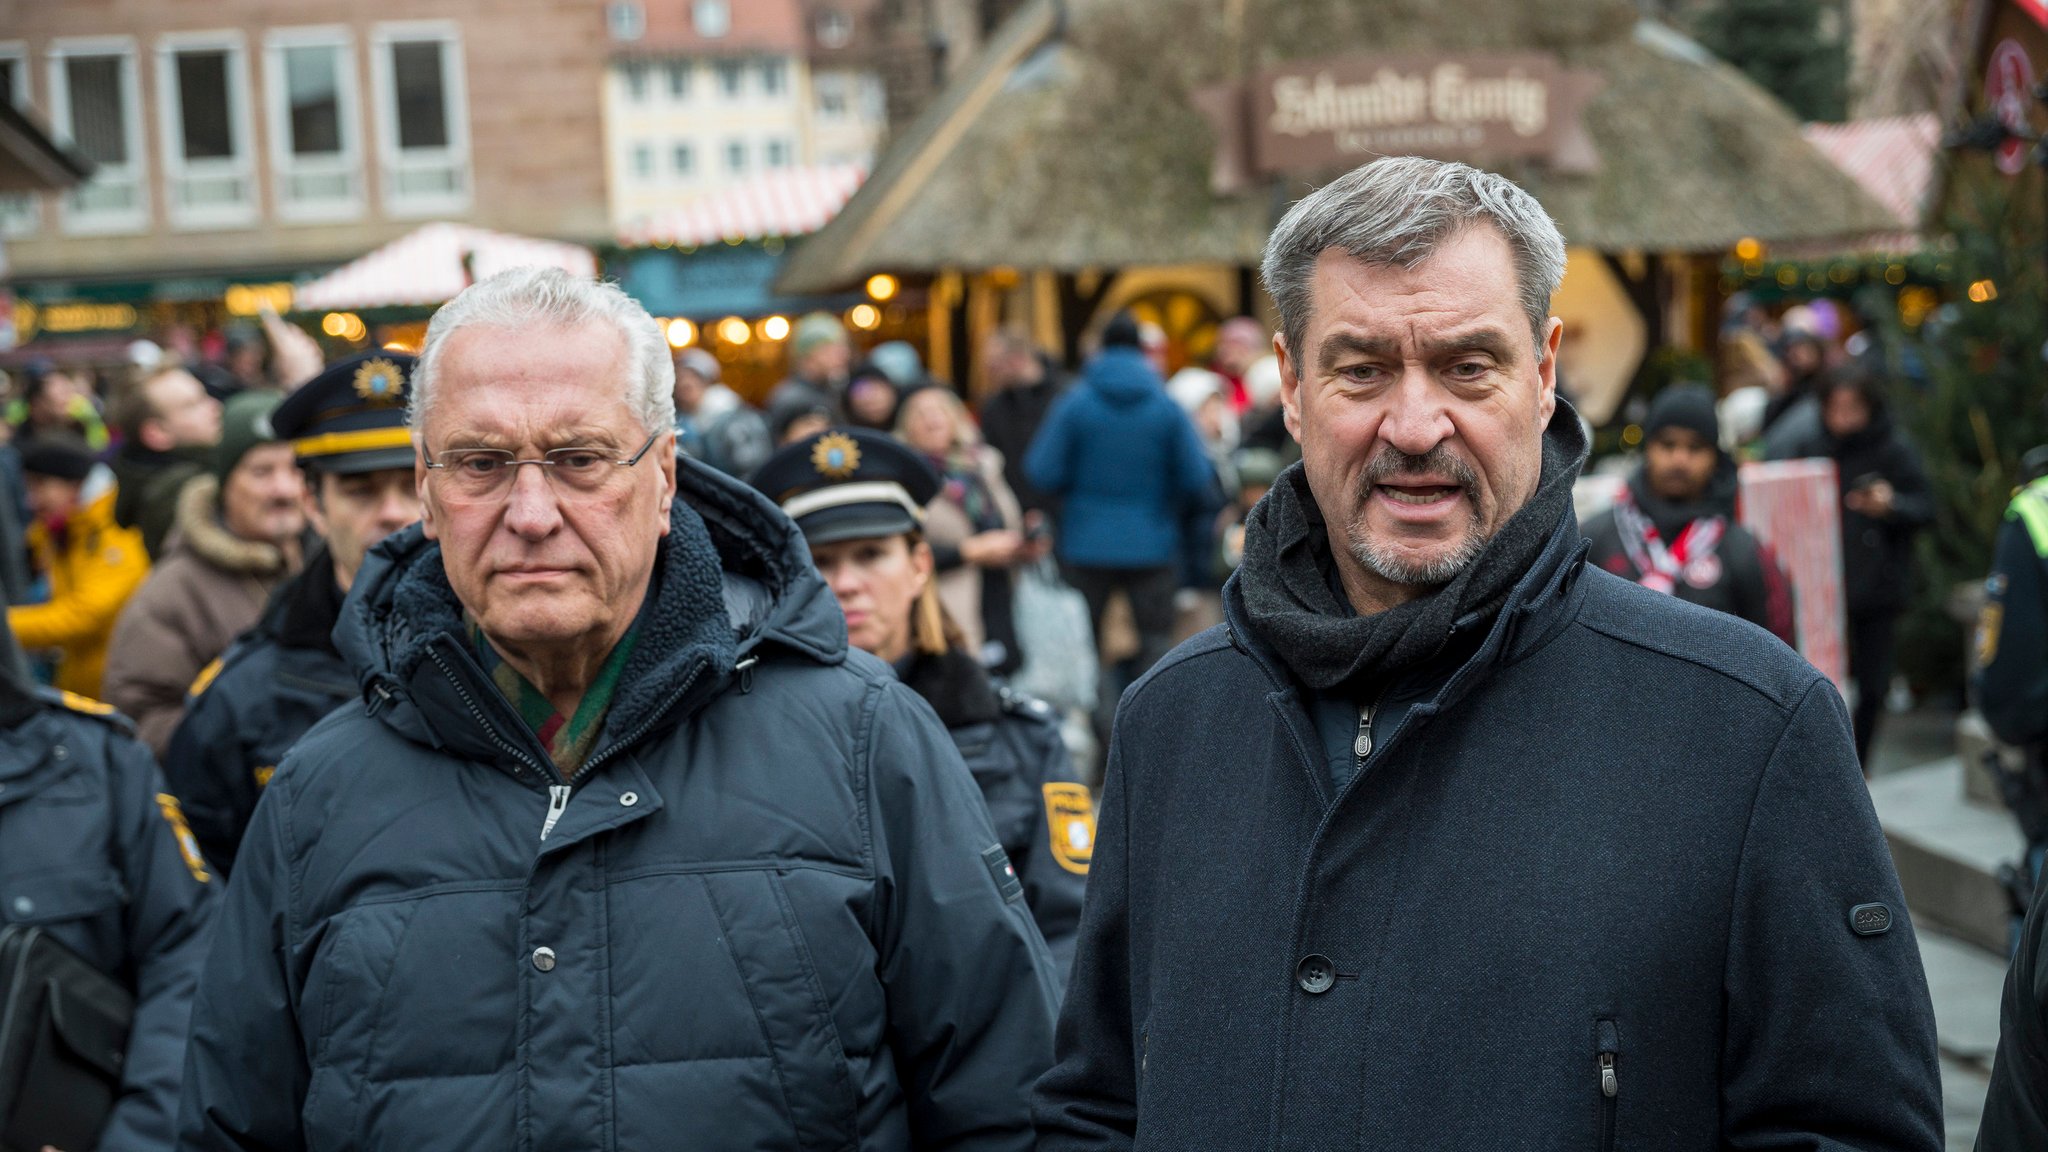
point(836, 456)
point(380, 382)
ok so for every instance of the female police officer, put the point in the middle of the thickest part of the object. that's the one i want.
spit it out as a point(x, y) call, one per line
point(859, 498)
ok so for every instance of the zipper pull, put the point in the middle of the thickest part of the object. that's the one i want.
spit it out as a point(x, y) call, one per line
point(746, 670)
point(1607, 1042)
point(1362, 746)
point(558, 803)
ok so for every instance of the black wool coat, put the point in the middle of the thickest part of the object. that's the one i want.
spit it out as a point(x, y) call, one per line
point(1597, 891)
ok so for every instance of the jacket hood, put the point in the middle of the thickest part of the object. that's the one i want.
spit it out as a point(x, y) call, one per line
point(199, 531)
point(733, 577)
point(1123, 377)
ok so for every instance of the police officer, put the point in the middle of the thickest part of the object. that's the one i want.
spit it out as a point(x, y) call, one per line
point(94, 851)
point(2011, 679)
point(347, 428)
point(859, 497)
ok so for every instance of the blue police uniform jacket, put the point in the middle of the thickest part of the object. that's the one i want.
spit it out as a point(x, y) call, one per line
point(95, 852)
point(1044, 815)
point(253, 704)
point(772, 915)
point(1596, 891)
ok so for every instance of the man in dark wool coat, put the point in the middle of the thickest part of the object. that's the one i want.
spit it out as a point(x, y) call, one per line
point(1446, 839)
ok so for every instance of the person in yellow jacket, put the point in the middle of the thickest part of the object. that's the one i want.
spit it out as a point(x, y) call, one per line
point(94, 565)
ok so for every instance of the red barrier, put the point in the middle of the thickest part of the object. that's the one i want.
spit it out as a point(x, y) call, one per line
point(1795, 507)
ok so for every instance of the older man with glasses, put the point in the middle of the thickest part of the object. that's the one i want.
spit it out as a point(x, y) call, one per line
point(624, 848)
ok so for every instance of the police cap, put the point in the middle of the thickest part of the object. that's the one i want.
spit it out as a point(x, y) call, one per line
point(351, 417)
point(849, 484)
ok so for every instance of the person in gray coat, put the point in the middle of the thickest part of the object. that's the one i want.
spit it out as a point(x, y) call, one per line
point(623, 849)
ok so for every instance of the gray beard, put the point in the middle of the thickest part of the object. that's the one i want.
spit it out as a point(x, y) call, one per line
point(1426, 574)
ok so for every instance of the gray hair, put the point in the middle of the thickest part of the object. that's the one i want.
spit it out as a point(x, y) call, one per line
point(532, 297)
point(1398, 210)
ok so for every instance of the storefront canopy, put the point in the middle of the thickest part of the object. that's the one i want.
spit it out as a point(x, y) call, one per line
point(30, 161)
point(783, 203)
point(430, 265)
point(1076, 140)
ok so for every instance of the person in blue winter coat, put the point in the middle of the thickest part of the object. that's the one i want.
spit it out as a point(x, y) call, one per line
point(1125, 462)
point(623, 848)
point(1446, 839)
point(95, 852)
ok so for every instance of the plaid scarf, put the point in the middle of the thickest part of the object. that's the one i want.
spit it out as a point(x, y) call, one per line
point(568, 740)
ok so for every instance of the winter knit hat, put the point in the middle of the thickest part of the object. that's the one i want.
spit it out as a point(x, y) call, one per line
point(60, 456)
point(814, 331)
point(1688, 406)
point(244, 423)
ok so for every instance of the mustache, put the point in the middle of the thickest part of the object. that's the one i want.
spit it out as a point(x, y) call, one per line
point(1436, 464)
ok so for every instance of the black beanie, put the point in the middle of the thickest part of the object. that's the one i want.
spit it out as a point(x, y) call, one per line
point(1689, 406)
point(56, 456)
point(1121, 331)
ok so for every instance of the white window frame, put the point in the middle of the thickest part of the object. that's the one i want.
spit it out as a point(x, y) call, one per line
point(834, 28)
point(391, 162)
point(133, 174)
point(641, 161)
point(21, 213)
point(685, 173)
point(736, 68)
point(671, 72)
point(176, 168)
point(702, 8)
point(746, 157)
point(284, 164)
point(626, 20)
point(776, 76)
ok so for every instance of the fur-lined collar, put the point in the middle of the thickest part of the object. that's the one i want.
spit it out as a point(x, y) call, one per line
point(201, 532)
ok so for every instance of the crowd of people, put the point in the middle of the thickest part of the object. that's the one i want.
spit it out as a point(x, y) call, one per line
point(535, 739)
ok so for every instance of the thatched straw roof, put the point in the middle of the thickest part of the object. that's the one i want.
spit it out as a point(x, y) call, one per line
point(1073, 141)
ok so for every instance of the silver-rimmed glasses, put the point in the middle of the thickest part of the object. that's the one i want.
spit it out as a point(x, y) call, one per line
point(484, 475)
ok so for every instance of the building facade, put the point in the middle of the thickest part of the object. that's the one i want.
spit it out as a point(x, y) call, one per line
point(254, 142)
point(704, 94)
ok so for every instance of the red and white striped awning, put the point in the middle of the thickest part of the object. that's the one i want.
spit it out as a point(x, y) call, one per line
point(1892, 157)
point(431, 264)
point(785, 202)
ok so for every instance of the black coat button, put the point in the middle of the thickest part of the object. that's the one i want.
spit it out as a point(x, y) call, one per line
point(1315, 974)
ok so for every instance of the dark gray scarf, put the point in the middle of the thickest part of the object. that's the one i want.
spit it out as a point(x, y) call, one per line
point(1292, 599)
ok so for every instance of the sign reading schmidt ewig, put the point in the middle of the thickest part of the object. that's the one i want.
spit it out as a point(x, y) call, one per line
point(1500, 107)
point(1319, 115)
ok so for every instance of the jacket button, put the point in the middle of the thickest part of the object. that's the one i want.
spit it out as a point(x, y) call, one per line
point(60, 752)
point(544, 959)
point(628, 799)
point(1316, 974)
point(23, 906)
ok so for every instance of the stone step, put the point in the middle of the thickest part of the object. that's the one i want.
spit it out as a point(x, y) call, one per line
point(1948, 851)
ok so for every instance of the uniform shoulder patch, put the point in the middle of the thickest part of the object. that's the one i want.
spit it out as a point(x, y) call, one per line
point(188, 845)
point(206, 677)
point(1990, 621)
point(78, 705)
point(1070, 821)
point(85, 704)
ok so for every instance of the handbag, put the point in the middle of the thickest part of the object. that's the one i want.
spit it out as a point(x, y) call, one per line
point(1056, 638)
point(63, 1035)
